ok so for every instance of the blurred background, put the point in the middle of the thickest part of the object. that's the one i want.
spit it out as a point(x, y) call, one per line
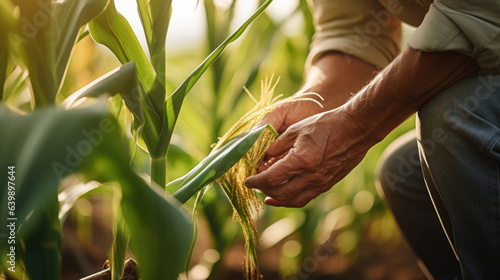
point(347, 233)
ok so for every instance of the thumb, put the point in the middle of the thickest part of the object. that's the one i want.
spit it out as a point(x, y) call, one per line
point(282, 144)
point(275, 118)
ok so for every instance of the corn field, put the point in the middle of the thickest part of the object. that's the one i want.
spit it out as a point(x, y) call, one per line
point(107, 148)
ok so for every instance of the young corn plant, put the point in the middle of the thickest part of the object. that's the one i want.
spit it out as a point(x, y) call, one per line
point(224, 102)
point(43, 142)
point(244, 201)
point(264, 49)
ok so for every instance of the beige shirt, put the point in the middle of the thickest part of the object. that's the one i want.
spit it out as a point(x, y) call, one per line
point(371, 29)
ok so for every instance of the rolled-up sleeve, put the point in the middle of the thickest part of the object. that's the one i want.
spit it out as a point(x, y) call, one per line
point(360, 28)
point(471, 27)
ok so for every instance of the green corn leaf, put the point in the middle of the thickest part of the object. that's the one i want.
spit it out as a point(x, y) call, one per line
point(34, 44)
point(244, 63)
point(83, 34)
point(44, 39)
point(160, 11)
point(197, 203)
point(155, 18)
point(218, 28)
point(123, 80)
point(174, 102)
point(145, 15)
point(49, 144)
point(69, 16)
point(120, 80)
point(35, 145)
point(160, 235)
point(15, 83)
point(148, 214)
point(160, 15)
point(215, 165)
point(112, 30)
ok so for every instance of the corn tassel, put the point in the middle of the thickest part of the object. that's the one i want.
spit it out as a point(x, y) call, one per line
point(244, 201)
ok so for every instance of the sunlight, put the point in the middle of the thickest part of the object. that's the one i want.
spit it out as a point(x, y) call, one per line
point(187, 25)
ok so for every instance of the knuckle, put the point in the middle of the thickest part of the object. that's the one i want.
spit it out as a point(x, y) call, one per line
point(308, 159)
point(280, 195)
point(316, 177)
point(273, 180)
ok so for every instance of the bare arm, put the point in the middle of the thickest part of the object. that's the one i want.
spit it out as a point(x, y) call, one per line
point(319, 151)
point(405, 86)
point(333, 77)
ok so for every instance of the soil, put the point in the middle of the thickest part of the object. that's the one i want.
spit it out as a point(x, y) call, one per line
point(372, 262)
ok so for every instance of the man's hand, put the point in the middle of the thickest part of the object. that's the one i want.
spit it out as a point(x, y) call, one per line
point(290, 113)
point(315, 154)
point(334, 78)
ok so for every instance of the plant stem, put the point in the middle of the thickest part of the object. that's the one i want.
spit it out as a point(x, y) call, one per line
point(101, 275)
point(159, 170)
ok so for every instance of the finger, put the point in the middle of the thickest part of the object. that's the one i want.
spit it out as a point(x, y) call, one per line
point(280, 172)
point(282, 144)
point(272, 202)
point(268, 119)
point(275, 118)
point(263, 166)
point(289, 189)
point(299, 201)
point(268, 162)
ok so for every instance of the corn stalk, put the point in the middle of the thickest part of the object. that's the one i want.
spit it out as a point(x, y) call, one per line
point(46, 144)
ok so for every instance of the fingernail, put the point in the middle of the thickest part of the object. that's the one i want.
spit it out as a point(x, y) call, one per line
point(269, 201)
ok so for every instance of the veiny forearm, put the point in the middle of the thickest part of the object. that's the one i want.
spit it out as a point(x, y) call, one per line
point(411, 80)
point(336, 78)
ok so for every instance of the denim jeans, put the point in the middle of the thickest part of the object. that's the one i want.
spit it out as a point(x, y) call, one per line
point(443, 185)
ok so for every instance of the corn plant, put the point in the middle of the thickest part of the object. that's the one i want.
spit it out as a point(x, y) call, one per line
point(284, 56)
point(224, 99)
point(238, 67)
point(43, 142)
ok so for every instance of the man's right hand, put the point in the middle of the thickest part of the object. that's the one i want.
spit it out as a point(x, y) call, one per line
point(331, 76)
point(334, 78)
point(290, 113)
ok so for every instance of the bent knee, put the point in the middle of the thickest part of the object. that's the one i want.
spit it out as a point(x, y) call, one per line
point(399, 172)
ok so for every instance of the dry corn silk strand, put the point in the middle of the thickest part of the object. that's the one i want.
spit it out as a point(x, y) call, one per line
point(244, 201)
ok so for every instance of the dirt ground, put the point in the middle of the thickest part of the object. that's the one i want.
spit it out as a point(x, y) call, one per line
point(373, 261)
